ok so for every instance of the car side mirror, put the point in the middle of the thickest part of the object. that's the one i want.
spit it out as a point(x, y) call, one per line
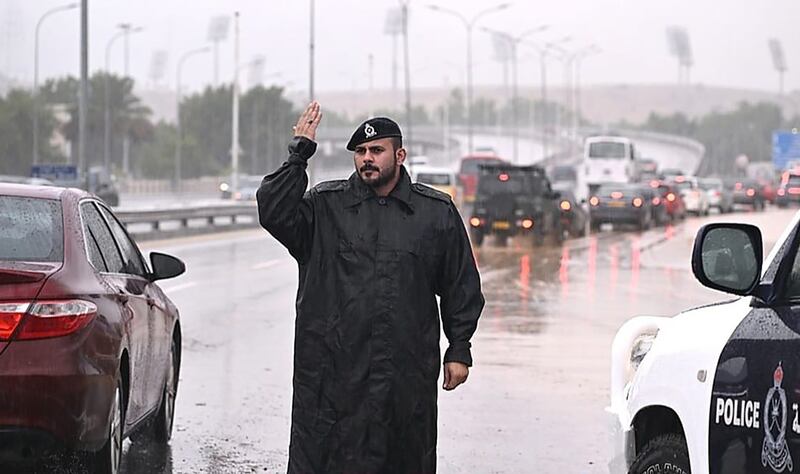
point(727, 257)
point(165, 266)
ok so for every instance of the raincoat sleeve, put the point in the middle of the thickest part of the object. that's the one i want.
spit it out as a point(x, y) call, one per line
point(285, 209)
point(460, 291)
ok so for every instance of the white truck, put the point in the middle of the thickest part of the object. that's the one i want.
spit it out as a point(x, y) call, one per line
point(715, 389)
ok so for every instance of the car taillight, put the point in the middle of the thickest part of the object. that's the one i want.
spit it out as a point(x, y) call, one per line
point(656, 201)
point(751, 192)
point(637, 202)
point(10, 316)
point(738, 186)
point(794, 191)
point(54, 318)
point(594, 201)
point(475, 222)
point(671, 197)
point(566, 205)
point(717, 193)
point(654, 184)
point(503, 177)
point(527, 223)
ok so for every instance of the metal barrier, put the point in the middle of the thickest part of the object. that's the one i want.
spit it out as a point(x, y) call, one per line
point(167, 223)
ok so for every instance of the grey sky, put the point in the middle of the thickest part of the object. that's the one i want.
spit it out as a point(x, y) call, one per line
point(729, 39)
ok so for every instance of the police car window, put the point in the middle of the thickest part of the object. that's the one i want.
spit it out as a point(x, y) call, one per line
point(793, 282)
point(132, 260)
point(100, 231)
point(32, 229)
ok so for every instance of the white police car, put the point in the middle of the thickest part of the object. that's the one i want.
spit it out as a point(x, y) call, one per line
point(715, 389)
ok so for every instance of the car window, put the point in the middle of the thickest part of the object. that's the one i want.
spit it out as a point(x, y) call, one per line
point(607, 150)
point(132, 260)
point(92, 247)
point(792, 290)
point(441, 179)
point(102, 235)
point(32, 229)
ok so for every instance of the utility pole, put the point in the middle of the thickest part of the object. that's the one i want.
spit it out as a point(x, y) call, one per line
point(407, 66)
point(311, 47)
point(126, 142)
point(235, 119)
point(83, 96)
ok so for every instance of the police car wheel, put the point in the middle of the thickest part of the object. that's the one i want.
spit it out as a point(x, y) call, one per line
point(666, 454)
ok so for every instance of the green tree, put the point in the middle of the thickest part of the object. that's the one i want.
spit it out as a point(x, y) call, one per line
point(16, 133)
point(128, 116)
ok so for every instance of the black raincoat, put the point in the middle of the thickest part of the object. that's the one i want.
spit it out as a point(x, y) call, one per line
point(366, 354)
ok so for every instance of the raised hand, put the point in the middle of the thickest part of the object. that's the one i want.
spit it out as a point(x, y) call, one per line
point(309, 121)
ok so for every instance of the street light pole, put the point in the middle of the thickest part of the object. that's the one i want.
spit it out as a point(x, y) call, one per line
point(407, 79)
point(235, 118)
point(83, 96)
point(469, 24)
point(46, 14)
point(514, 42)
point(179, 133)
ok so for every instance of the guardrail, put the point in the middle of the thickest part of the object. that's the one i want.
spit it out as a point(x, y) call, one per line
point(167, 223)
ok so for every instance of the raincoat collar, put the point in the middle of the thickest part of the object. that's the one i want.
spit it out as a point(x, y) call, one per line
point(359, 191)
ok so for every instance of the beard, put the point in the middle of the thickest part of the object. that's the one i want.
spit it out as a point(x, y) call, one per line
point(375, 177)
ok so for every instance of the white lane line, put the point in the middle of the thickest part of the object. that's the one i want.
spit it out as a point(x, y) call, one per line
point(268, 264)
point(180, 287)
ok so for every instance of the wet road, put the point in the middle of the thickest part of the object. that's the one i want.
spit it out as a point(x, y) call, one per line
point(534, 401)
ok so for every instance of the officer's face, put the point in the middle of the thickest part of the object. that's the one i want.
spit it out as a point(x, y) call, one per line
point(377, 162)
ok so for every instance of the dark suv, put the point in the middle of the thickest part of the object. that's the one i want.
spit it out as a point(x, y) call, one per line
point(514, 200)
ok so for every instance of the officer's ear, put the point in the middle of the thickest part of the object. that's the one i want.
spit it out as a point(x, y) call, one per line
point(400, 154)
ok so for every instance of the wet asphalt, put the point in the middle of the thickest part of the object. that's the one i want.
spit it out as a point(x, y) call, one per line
point(534, 400)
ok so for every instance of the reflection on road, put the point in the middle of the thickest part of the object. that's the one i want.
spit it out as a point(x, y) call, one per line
point(527, 287)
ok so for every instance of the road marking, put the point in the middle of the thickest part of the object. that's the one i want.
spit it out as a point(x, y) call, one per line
point(268, 264)
point(180, 287)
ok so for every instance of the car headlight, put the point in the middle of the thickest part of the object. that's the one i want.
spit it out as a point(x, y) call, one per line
point(639, 350)
point(224, 187)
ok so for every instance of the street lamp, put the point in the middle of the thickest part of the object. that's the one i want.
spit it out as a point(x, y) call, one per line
point(69, 6)
point(579, 56)
point(179, 138)
point(125, 30)
point(544, 51)
point(469, 24)
point(513, 42)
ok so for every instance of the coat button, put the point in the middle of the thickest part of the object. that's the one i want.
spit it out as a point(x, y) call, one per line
point(382, 201)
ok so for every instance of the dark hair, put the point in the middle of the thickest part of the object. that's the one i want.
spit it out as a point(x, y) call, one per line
point(397, 142)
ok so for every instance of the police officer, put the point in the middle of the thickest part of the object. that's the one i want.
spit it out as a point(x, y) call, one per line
point(373, 252)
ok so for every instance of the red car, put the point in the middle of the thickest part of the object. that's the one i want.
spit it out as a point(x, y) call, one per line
point(90, 346)
point(468, 172)
point(671, 197)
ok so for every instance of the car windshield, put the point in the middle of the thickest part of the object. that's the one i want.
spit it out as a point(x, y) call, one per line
point(710, 185)
point(563, 173)
point(435, 179)
point(32, 230)
point(503, 182)
point(606, 150)
point(470, 166)
point(612, 189)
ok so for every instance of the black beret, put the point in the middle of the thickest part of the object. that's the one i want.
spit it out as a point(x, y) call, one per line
point(374, 129)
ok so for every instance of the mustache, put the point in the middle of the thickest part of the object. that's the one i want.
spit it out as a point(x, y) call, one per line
point(368, 167)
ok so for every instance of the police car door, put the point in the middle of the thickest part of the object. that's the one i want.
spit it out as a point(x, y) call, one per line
point(754, 425)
